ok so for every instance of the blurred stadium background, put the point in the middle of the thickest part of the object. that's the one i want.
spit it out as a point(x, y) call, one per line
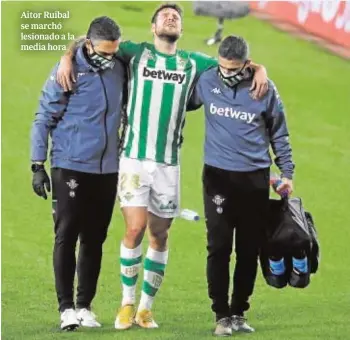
point(314, 85)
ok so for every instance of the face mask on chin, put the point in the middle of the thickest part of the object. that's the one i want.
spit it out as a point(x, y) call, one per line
point(233, 79)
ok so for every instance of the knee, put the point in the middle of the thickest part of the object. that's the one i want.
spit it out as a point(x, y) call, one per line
point(134, 232)
point(247, 255)
point(219, 244)
point(222, 250)
point(93, 241)
point(136, 221)
point(65, 237)
point(159, 237)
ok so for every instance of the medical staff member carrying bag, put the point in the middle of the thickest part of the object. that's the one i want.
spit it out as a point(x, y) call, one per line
point(290, 253)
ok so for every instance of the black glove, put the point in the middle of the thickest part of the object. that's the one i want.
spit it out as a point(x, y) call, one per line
point(40, 180)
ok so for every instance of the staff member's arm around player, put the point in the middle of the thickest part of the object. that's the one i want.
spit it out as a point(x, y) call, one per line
point(161, 78)
point(83, 127)
point(239, 131)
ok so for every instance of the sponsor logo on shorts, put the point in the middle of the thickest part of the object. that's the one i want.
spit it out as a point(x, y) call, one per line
point(168, 207)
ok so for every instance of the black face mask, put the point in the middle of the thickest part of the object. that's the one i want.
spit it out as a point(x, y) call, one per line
point(99, 61)
point(234, 79)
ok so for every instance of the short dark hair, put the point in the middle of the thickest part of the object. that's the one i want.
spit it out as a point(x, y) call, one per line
point(176, 7)
point(234, 47)
point(103, 28)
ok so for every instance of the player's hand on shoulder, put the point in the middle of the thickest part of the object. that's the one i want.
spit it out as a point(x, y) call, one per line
point(65, 73)
point(260, 84)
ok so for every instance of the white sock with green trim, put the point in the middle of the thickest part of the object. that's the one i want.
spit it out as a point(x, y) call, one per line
point(154, 267)
point(130, 263)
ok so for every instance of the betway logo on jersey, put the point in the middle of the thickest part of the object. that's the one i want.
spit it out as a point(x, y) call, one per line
point(164, 75)
point(231, 113)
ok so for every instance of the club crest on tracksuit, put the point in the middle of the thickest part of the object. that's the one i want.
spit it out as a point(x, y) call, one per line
point(218, 201)
point(73, 184)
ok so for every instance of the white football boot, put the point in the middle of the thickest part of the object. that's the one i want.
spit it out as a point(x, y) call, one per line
point(239, 324)
point(223, 327)
point(87, 318)
point(69, 320)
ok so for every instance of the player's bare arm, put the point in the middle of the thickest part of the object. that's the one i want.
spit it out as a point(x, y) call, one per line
point(65, 72)
point(260, 81)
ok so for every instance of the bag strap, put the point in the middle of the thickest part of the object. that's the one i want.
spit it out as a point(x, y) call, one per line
point(285, 203)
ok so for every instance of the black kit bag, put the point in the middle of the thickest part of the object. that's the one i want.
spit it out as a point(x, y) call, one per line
point(290, 231)
point(221, 9)
point(315, 246)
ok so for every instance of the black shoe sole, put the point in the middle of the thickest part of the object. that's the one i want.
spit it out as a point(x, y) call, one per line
point(70, 328)
point(277, 281)
point(299, 281)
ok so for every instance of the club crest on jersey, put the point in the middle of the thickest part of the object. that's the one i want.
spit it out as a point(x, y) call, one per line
point(150, 56)
point(182, 62)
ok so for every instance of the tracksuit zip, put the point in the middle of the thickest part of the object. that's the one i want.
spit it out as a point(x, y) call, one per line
point(105, 122)
point(235, 91)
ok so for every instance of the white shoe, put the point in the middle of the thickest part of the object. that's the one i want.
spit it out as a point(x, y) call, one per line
point(213, 40)
point(239, 324)
point(223, 327)
point(69, 320)
point(87, 318)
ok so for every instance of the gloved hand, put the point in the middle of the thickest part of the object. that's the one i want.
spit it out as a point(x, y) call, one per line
point(41, 181)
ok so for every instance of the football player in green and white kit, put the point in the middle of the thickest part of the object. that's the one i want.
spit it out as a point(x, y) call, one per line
point(160, 80)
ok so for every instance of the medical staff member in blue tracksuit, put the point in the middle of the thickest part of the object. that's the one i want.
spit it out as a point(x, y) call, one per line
point(238, 133)
point(83, 126)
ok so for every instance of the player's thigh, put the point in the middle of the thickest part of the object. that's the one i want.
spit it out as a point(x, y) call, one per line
point(133, 193)
point(135, 219)
point(165, 192)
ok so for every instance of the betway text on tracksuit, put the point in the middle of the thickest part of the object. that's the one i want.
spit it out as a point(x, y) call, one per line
point(240, 130)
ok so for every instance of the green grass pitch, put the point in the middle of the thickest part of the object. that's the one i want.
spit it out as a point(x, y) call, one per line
point(315, 88)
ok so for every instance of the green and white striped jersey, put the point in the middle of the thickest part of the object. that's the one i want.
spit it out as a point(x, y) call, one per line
point(159, 86)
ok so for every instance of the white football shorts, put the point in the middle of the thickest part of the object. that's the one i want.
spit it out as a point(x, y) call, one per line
point(145, 183)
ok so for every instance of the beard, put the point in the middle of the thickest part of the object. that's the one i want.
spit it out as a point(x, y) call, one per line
point(169, 37)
